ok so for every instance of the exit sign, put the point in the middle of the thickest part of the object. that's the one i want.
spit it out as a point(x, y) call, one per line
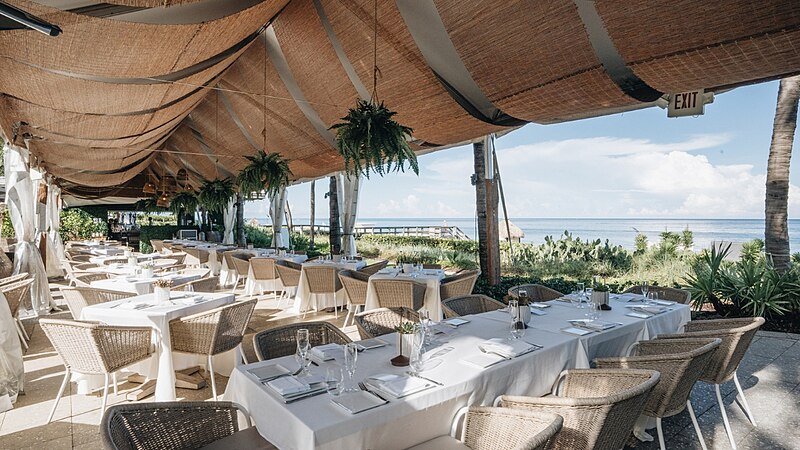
point(684, 104)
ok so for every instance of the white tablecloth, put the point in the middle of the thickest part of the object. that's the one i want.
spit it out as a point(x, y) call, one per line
point(140, 285)
point(141, 257)
point(165, 363)
point(432, 278)
point(317, 423)
point(253, 286)
point(124, 269)
point(303, 301)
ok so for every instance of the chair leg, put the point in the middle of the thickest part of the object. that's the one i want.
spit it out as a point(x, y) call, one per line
point(349, 312)
point(58, 397)
point(696, 425)
point(22, 328)
point(211, 375)
point(660, 434)
point(21, 337)
point(745, 406)
point(105, 395)
point(335, 306)
point(725, 417)
point(114, 379)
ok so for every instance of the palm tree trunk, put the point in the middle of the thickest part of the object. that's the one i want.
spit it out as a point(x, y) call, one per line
point(240, 238)
point(333, 206)
point(313, 213)
point(776, 234)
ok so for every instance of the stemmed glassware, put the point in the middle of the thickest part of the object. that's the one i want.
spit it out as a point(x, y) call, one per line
point(517, 326)
point(303, 346)
point(645, 290)
point(350, 359)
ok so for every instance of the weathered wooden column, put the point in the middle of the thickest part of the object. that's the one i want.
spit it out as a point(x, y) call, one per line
point(486, 201)
point(312, 213)
point(333, 206)
point(241, 241)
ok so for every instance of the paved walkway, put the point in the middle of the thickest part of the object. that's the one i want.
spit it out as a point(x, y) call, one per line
point(770, 375)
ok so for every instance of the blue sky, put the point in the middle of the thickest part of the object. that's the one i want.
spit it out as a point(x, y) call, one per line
point(636, 164)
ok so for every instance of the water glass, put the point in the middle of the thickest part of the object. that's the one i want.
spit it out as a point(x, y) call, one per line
point(651, 297)
point(333, 379)
point(517, 329)
point(424, 322)
point(575, 298)
point(350, 359)
point(417, 351)
point(513, 308)
point(588, 297)
point(303, 346)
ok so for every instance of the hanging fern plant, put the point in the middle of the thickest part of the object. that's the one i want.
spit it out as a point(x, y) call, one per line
point(266, 172)
point(184, 201)
point(214, 195)
point(148, 204)
point(370, 140)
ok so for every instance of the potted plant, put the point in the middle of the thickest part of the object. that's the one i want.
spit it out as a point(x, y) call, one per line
point(266, 172)
point(161, 288)
point(183, 203)
point(215, 194)
point(600, 296)
point(405, 341)
point(147, 270)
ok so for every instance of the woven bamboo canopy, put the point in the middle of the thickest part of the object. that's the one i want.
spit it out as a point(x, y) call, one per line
point(133, 89)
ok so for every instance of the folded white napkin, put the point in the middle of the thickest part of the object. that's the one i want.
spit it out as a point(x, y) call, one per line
point(506, 348)
point(269, 372)
point(596, 325)
point(326, 352)
point(648, 309)
point(398, 386)
point(286, 386)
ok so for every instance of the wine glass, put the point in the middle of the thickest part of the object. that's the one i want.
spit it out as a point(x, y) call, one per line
point(645, 290)
point(587, 295)
point(350, 359)
point(303, 345)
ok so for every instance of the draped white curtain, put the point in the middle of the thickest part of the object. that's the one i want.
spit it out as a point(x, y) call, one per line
point(12, 372)
point(54, 206)
point(230, 222)
point(43, 220)
point(277, 208)
point(347, 196)
point(21, 199)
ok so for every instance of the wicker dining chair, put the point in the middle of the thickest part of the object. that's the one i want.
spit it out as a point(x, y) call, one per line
point(157, 244)
point(459, 284)
point(599, 406)
point(282, 341)
point(394, 293)
point(535, 292)
point(680, 363)
point(195, 256)
point(91, 348)
point(432, 266)
point(201, 272)
point(736, 335)
point(322, 280)
point(238, 266)
point(664, 293)
point(13, 278)
point(355, 286)
point(373, 268)
point(470, 304)
point(487, 428)
point(380, 321)
point(14, 293)
point(180, 258)
point(86, 279)
point(78, 298)
point(80, 257)
point(202, 285)
point(212, 332)
point(179, 426)
point(289, 273)
point(114, 260)
point(263, 269)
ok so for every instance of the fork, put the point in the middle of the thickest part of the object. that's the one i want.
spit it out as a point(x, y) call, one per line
point(366, 389)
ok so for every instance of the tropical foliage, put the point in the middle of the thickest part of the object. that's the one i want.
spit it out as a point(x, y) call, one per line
point(266, 172)
point(185, 202)
point(214, 195)
point(370, 140)
point(78, 224)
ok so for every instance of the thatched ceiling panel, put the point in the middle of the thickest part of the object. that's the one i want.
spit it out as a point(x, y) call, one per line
point(150, 3)
point(82, 158)
point(407, 85)
point(109, 48)
point(650, 29)
point(98, 179)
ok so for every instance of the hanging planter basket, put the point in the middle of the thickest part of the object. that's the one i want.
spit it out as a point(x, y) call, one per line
point(184, 201)
point(370, 140)
point(266, 173)
point(214, 195)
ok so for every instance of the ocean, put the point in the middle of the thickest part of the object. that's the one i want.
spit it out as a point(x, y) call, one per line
point(617, 231)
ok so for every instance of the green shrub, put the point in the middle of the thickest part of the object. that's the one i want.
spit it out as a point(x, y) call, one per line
point(641, 243)
point(78, 224)
point(260, 237)
point(7, 228)
point(687, 239)
point(147, 232)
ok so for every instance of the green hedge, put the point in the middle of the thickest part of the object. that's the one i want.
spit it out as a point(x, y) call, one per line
point(442, 244)
point(78, 224)
point(147, 232)
point(501, 290)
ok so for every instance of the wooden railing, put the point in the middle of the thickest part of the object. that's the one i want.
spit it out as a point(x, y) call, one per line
point(442, 232)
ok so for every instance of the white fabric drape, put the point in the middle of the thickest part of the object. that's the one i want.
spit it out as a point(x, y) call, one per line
point(230, 222)
point(54, 206)
point(21, 198)
point(43, 226)
point(11, 368)
point(277, 207)
point(347, 196)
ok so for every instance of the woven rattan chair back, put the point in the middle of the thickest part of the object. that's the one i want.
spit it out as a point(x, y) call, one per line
point(665, 293)
point(487, 428)
point(373, 268)
point(396, 293)
point(179, 258)
point(536, 292)
point(112, 261)
point(14, 278)
point(380, 321)
point(195, 256)
point(15, 292)
point(80, 257)
point(157, 244)
point(470, 304)
point(680, 363)
point(78, 298)
point(282, 341)
point(355, 285)
point(263, 268)
point(202, 285)
point(167, 425)
point(322, 279)
point(736, 335)
point(212, 332)
point(458, 285)
point(289, 273)
point(92, 348)
point(599, 406)
point(86, 279)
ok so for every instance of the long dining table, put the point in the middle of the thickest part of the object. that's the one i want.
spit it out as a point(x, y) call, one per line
point(316, 422)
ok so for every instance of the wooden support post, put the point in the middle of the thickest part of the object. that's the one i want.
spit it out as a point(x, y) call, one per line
point(487, 201)
point(312, 213)
point(240, 238)
point(333, 206)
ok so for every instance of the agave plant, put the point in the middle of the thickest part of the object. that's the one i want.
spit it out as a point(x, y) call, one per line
point(266, 172)
point(369, 140)
point(214, 195)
